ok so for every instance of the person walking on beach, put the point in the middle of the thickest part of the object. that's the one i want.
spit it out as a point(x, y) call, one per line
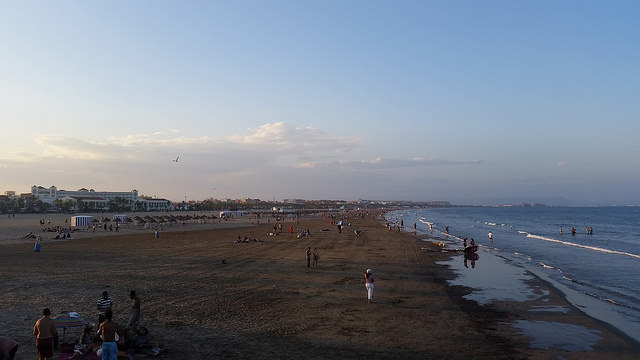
point(316, 256)
point(108, 330)
point(134, 318)
point(36, 246)
point(105, 303)
point(309, 257)
point(8, 348)
point(45, 330)
point(368, 283)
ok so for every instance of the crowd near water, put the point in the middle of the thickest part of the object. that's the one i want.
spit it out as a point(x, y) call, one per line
point(590, 254)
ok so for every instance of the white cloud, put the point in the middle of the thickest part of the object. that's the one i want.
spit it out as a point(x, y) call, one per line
point(275, 159)
point(381, 163)
point(278, 144)
point(282, 135)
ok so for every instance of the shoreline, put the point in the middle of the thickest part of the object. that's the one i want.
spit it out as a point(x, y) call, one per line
point(262, 296)
point(573, 313)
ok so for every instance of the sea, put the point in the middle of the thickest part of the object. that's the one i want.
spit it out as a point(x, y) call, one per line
point(598, 271)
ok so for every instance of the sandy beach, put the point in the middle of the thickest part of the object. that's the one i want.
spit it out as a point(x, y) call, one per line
point(206, 297)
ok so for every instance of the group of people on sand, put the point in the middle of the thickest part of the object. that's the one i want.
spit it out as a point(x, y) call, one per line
point(309, 254)
point(111, 341)
point(246, 239)
point(399, 225)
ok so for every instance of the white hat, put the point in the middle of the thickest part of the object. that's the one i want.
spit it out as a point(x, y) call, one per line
point(368, 271)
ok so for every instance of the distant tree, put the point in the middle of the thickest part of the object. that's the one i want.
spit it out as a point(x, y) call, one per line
point(20, 205)
point(117, 204)
point(86, 206)
point(69, 204)
point(29, 205)
point(5, 204)
point(42, 206)
point(58, 204)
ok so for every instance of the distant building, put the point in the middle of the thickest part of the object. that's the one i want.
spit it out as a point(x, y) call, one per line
point(155, 204)
point(99, 200)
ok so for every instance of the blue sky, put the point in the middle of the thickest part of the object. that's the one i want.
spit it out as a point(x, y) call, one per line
point(466, 101)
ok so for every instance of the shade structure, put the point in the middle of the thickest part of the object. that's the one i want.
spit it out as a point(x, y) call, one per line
point(68, 320)
point(81, 220)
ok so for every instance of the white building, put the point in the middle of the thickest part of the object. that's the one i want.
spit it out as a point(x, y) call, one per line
point(100, 199)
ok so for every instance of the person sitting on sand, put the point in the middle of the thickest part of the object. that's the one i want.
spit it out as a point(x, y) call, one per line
point(142, 344)
point(95, 346)
point(86, 338)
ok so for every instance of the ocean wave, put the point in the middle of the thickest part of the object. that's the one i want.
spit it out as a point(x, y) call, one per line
point(588, 247)
point(522, 232)
point(546, 266)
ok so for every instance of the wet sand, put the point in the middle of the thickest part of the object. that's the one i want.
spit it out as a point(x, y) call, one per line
point(206, 297)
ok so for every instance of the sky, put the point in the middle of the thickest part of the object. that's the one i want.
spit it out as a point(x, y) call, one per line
point(472, 102)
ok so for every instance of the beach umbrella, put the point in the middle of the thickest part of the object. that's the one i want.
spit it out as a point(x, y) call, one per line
point(68, 320)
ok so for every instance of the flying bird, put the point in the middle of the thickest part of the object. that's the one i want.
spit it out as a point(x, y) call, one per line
point(176, 159)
